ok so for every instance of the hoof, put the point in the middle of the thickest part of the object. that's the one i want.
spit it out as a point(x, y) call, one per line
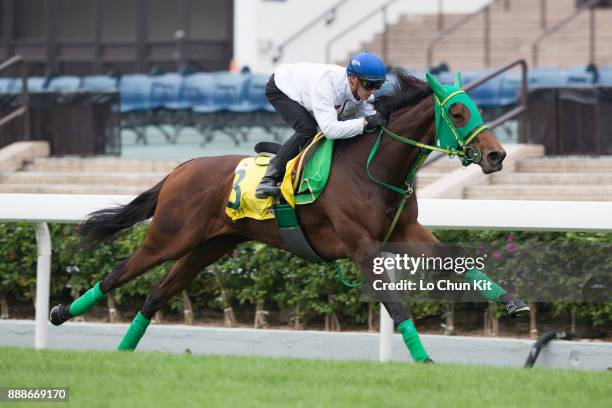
point(427, 361)
point(59, 314)
point(517, 308)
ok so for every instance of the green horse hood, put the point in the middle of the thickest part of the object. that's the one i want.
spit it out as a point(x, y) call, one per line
point(448, 136)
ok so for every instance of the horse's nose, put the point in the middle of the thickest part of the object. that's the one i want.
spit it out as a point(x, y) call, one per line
point(495, 158)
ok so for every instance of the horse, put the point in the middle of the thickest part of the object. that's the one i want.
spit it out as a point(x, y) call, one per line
point(189, 224)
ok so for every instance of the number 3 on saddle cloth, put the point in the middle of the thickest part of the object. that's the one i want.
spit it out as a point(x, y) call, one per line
point(305, 179)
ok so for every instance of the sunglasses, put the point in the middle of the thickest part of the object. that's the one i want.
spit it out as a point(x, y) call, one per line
point(370, 85)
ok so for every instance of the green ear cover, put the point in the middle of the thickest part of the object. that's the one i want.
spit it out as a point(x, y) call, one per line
point(458, 80)
point(436, 86)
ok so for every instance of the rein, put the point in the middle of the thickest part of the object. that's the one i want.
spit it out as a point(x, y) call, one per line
point(410, 178)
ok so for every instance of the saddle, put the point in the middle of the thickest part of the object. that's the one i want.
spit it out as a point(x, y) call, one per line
point(305, 179)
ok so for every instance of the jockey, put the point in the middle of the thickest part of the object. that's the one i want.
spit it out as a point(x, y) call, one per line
point(337, 100)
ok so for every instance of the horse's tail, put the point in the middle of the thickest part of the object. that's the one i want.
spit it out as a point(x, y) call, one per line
point(102, 225)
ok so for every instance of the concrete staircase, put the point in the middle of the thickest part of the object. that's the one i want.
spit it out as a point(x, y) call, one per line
point(118, 176)
point(569, 179)
point(532, 177)
point(512, 31)
point(85, 176)
point(436, 170)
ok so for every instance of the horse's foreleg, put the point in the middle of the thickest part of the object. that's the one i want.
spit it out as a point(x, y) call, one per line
point(430, 246)
point(177, 279)
point(362, 252)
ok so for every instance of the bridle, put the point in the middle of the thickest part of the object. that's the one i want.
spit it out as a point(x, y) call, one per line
point(468, 154)
point(450, 140)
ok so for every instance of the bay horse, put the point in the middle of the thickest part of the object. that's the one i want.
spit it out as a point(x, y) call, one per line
point(189, 223)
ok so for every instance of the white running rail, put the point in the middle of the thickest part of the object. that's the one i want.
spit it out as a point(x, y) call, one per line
point(433, 213)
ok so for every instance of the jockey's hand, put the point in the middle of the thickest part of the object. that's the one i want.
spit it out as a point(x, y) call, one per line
point(374, 121)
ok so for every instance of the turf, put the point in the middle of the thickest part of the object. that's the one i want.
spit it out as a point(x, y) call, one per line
point(113, 379)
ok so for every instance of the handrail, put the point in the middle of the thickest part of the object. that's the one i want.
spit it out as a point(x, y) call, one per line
point(357, 23)
point(331, 11)
point(543, 15)
point(484, 9)
point(522, 106)
point(588, 5)
point(23, 110)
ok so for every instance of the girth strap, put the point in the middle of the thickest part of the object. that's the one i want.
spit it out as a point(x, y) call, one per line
point(292, 234)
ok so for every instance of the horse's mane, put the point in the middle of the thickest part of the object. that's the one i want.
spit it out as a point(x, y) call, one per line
point(407, 90)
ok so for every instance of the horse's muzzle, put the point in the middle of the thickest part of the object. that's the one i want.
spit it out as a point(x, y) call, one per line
point(492, 161)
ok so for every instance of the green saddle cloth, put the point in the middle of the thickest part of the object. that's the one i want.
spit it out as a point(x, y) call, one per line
point(316, 173)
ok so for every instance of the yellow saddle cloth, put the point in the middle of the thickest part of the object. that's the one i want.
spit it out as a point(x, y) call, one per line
point(249, 172)
point(242, 201)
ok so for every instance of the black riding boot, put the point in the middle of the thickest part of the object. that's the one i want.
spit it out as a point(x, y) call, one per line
point(267, 186)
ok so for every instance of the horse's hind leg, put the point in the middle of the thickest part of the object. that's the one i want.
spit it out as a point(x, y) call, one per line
point(145, 257)
point(177, 279)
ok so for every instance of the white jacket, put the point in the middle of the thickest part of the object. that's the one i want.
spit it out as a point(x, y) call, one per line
point(324, 90)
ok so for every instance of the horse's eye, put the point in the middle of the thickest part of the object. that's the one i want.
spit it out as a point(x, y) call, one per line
point(457, 116)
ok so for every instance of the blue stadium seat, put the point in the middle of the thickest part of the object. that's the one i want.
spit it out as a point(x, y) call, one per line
point(99, 83)
point(547, 77)
point(64, 84)
point(509, 89)
point(470, 76)
point(197, 91)
point(181, 98)
point(257, 93)
point(35, 84)
point(226, 91)
point(135, 92)
point(578, 75)
point(487, 94)
point(253, 96)
point(5, 84)
point(230, 89)
point(605, 76)
point(544, 70)
point(165, 90)
point(212, 95)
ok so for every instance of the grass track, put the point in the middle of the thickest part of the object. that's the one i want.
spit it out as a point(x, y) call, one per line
point(112, 379)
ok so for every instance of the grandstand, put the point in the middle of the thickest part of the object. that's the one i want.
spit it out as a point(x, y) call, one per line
point(181, 85)
point(504, 29)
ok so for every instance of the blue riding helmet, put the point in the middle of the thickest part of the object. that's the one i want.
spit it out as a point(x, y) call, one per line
point(368, 66)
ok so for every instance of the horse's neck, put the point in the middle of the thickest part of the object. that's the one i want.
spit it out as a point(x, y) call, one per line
point(395, 158)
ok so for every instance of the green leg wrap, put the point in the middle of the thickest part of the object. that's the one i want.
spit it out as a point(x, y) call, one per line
point(493, 294)
point(412, 341)
point(135, 332)
point(88, 300)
